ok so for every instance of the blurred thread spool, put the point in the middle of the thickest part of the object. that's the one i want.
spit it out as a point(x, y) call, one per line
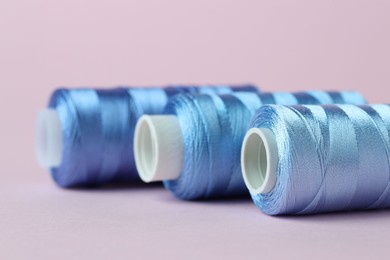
point(195, 147)
point(86, 136)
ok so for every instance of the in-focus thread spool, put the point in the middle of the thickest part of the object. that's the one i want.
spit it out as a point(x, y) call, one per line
point(329, 158)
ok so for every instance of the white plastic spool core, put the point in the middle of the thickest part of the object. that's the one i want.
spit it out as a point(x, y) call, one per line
point(48, 138)
point(158, 148)
point(259, 159)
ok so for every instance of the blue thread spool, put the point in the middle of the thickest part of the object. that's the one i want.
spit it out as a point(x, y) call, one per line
point(195, 148)
point(86, 135)
point(313, 159)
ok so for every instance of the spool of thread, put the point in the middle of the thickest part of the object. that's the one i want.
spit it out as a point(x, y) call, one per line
point(85, 137)
point(313, 159)
point(195, 148)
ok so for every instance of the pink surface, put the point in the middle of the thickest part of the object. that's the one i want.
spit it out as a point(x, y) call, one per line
point(280, 45)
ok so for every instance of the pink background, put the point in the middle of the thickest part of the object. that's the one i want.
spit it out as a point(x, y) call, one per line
point(279, 45)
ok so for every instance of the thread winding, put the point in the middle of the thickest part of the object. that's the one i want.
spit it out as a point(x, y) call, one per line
point(213, 129)
point(98, 129)
point(330, 158)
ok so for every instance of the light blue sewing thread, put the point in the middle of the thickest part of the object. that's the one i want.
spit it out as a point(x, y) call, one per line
point(213, 128)
point(330, 158)
point(98, 129)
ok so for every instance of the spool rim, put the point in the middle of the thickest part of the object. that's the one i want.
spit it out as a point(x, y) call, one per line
point(259, 158)
point(48, 138)
point(146, 149)
point(158, 149)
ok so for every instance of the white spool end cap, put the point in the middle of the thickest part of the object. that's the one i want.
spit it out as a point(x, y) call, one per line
point(158, 148)
point(48, 138)
point(259, 159)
